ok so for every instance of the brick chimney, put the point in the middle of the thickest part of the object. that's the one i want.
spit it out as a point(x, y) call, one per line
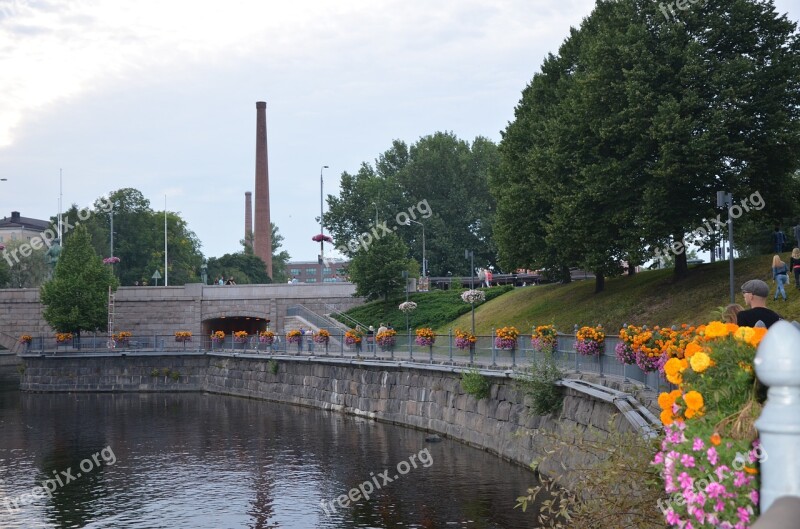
point(248, 217)
point(263, 234)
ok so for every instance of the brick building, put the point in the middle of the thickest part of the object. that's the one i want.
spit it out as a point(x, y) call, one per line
point(313, 272)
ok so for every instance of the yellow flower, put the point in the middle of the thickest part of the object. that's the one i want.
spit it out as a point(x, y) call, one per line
point(700, 362)
point(744, 334)
point(693, 400)
point(692, 348)
point(716, 329)
point(690, 413)
point(666, 417)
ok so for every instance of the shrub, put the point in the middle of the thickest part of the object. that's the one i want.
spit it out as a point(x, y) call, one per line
point(539, 381)
point(475, 384)
point(272, 366)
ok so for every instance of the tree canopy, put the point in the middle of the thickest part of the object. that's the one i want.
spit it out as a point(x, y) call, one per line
point(76, 298)
point(377, 271)
point(620, 142)
point(440, 181)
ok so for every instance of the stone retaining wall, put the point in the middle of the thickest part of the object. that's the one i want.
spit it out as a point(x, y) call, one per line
point(421, 397)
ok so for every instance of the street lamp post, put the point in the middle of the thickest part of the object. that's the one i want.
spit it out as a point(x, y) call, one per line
point(726, 200)
point(424, 261)
point(471, 255)
point(321, 232)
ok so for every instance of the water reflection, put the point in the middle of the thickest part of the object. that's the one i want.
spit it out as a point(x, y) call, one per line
point(210, 461)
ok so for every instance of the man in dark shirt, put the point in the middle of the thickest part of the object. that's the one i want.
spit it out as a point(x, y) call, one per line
point(755, 294)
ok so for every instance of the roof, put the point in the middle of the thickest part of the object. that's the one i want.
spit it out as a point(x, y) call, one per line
point(17, 221)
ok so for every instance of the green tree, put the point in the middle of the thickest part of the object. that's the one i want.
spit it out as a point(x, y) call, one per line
point(377, 271)
point(5, 272)
point(76, 298)
point(28, 272)
point(247, 268)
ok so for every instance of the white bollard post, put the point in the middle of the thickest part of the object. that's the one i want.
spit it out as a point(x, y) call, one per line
point(777, 365)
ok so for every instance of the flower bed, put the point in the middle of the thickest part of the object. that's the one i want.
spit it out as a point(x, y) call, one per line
point(425, 337)
point(240, 337)
point(473, 296)
point(183, 336)
point(122, 337)
point(709, 453)
point(26, 339)
point(590, 341)
point(465, 339)
point(407, 306)
point(294, 336)
point(352, 337)
point(266, 337)
point(387, 338)
point(63, 337)
point(544, 339)
point(506, 338)
point(217, 337)
point(322, 337)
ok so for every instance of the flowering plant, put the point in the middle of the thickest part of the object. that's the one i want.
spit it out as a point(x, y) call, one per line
point(407, 306)
point(651, 348)
point(506, 338)
point(465, 339)
point(709, 452)
point(352, 337)
point(122, 337)
point(183, 336)
point(544, 339)
point(266, 337)
point(590, 340)
point(294, 336)
point(473, 296)
point(111, 260)
point(386, 338)
point(240, 336)
point(322, 337)
point(26, 339)
point(425, 336)
point(217, 336)
point(62, 337)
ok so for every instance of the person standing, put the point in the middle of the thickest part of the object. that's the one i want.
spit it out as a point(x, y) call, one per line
point(778, 240)
point(797, 234)
point(780, 274)
point(370, 338)
point(488, 278)
point(794, 264)
point(755, 294)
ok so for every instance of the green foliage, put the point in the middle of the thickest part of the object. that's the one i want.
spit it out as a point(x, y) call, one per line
point(154, 373)
point(76, 299)
point(449, 176)
point(26, 272)
point(539, 381)
point(272, 366)
point(377, 270)
point(617, 487)
point(475, 384)
point(174, 375)
point(435, 309)
point(21, 369)
point(619, 143)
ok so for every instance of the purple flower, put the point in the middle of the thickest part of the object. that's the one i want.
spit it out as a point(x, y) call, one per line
point(685, 480)
point(720, 471)
point(744, 516)
point(672, 518)
point(740, 479)
point(754, 496)
point(658, 459)
point(698, 444)
point(715, 489)
point(711, 453)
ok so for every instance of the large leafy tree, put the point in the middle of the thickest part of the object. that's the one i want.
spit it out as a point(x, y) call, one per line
point(377, 271)
point(27, 272)
point(247, 268)
point(443, 181)
point(623, 138)
point(76, 298)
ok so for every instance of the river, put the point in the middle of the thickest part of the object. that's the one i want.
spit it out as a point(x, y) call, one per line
point(201, 461)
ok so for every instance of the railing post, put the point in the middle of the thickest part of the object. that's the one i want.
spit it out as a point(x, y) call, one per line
point(494, 350)
point(575, 348)
point(777, 365)
point(450, 343)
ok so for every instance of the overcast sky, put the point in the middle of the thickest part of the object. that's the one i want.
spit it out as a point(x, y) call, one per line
point(160, 96)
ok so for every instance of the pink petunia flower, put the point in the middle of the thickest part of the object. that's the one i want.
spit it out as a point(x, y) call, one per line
point(715, 489)
point(686, 481)
point(754, 496)
point(712, 455)
point(687, 461)
point(698, 444)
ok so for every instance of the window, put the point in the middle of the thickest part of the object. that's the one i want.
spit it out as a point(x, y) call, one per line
point(311, 280)
point(294, 271)
point(326, 271)
point(329, 280)
point(311, 271)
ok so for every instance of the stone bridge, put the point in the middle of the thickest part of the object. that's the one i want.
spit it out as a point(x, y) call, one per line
point(149, 311)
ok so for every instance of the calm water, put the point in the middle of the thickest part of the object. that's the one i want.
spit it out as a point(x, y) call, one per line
point(207, 461)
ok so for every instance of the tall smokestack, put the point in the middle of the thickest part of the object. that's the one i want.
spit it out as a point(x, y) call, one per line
point(248, 218)
point(263, 236)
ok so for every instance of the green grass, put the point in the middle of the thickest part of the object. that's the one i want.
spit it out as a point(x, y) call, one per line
point(434, 309)
point(652, 298)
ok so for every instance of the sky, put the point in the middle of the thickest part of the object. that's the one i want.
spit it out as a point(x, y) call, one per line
point(160, 96)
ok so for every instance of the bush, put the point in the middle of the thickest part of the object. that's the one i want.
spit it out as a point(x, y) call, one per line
point(475, 384)
point(272, 366)
point(539, 381)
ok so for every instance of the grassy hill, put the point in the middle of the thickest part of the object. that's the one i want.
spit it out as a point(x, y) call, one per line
point(653, 297)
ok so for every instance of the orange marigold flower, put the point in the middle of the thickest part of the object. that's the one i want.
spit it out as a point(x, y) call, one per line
point(692, 348)
point(666, 400)
point(758, 335)
point(675, 378)
point(693, 400)
point(744, 334)
point(666, 417)
point(732, 327)
point(716, 439)
point(672, 367)
point(750, 470)
point(690, 413)
point(716, 329)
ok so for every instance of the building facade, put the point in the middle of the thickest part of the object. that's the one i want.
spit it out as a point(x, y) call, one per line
point(19, 228)
point(313, 272)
